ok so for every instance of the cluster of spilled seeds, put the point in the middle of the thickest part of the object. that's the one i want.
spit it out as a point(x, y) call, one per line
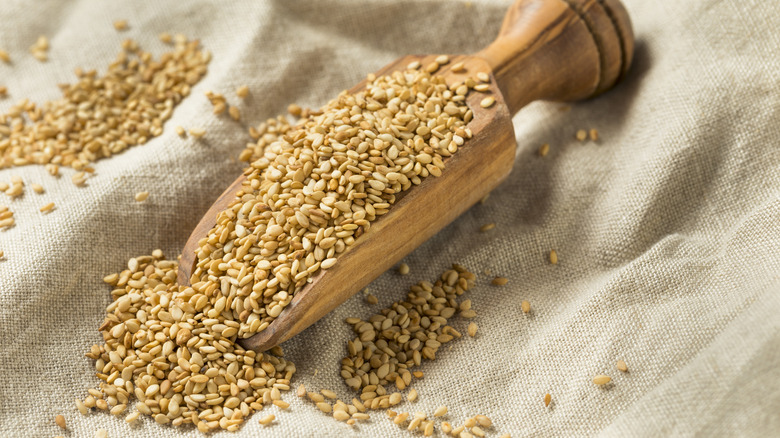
point(472, 427)
point(175, 352)
point(390, 343)
point(583, 135)
point(341, 411)
point(6, 217)
point(99, 116)
point(320, 184)
point(40, 50)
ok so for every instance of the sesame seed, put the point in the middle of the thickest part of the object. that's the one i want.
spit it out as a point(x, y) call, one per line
point(484, 77)
point(60, 420)
point(432, 67)
point(166, 38)
point(181, 131)
point(5, 57)
point(2, 254)
point(487, 227)
point(301, 391)
point(428, 429)
point(120, 25)
point(267, 419)
point(482, 87)
point(472, 329)
point(329, 394)
point(47, 208)
point(141, 196)
point(234, 113)
point(414, 65)
point(487, 102)
point(582, 135)
point(3, 91)
point(440, 411)
point(133, 416)
point(412, 396)
point(594, 134)
point(242, 91)
point(446, 427)
point(543, 150)
point(553, 257)
point(477, 431)
point(470, 422)
point(525, 306)
point(483, 420)
point(371, 299)
point(601, 380)
point(403, 269)
point(325, 407)
point(101, 433)
point(622, 366)
point(500, 281)
point(442, 59)
point(294, 110)
point(197, 132)
point(37, 188)
point(547, 399)
point(281, 404)
point(457, 67)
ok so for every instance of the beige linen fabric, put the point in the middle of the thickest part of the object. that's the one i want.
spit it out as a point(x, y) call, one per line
point(667, 228)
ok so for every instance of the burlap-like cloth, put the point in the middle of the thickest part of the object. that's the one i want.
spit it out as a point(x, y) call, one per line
point(667, 228)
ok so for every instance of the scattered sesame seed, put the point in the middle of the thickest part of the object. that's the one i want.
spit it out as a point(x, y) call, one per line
point(547, 399)
point(525, 306)
point(472, 329)
point(267, 419)
point(371, 299)
point(166, 38)
point(500, 281)
point(79, 178)
point(101, 433)
point(197, 132)
point(414, 65)
point(470, 422)
point(37, 188)
point(432, 67)
point(553, 257)
point(329, 394)
point(457, 67)
point(482, 87)
point(120, 25)
point(133, 416)
point(281, 404)
point(3, 91)
point(543, 150)
point(181, 131)
point(60, 420)
point(2, 254)
point(47, 208)
point(622, 366)
point(234, 113)
point(487, 227)
point(440, 411)
point(446, 427)
point(5, 57)
point(487, 102)
point(242, 91)
point(477, 431)
point(442, 59)
point(301, 391)
point(484, 421)
point(403, 269)
point(294, 110)
point(601, 380)
point(582, 135)
point(594, 134)
point(412, 396)
point(141, 196)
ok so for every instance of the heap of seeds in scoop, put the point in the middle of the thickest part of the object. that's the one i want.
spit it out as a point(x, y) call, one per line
point(318, 188)
point(99, 116)
point(176, 354)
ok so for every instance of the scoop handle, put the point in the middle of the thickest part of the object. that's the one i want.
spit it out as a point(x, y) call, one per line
point(561, 50)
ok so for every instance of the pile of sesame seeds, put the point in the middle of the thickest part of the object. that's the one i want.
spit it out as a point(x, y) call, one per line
point(318, 185)
point(99, 116)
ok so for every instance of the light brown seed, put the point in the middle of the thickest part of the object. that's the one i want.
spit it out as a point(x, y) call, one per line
point(622, 366)
point(414, 65)
point(181, 131)
point(197, 132)
point(3, 91)
point(242, 91)
point(47, 208)
point(440, 411)
point(553, 257)
point(281, 404)
point(301, 391)
point(487, 227)
point(120, 25)
point(442, 59)
point(329, 394)
point(547, 399)
point(371, 299)
point(37, 188)
point(325, 407)
point(457, 67)
point(265, 421)
point(294, 110)
point(594, 134)
point(484, 77)
point(487, 102)
point(403, 269)
point(341, 415)
point(472, 329)
point(60, 420)
point(582, 135)
point(601, 380)
point(428, 431)
point(484, 420)
point(500, 281)
point(235, 113)
point(141, 196)
point(166, 37)
point(2, 254)
point(5, 57)
point(543, 150)
point(412, 396)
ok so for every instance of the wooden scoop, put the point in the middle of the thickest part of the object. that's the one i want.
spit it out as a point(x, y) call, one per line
point(561, 50)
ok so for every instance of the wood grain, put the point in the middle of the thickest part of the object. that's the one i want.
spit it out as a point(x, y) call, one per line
point(546, 49)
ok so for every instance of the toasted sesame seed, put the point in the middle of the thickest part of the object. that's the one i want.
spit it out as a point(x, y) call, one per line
point(400, 418)
point(547, 399)
point(432, 67)
point(477, 431)
point(120, 25)
point(294, 110)
point(133, 416)
point(482, 87)
point(341, 415)
point(242, 91)
point(622, 366)
point(403, 269)
point(414, 65)
point(101, 433)
point(472, 329)
point(525, 306)
point(329, 394)
point(1, 254)
point(543, 150)
point(483, 420)
point(181, 131)
point(197, 132)
point(487, 102)
point(553, 257)
point(5, 57)
point(40, 55)
point(267, 419)
point(500, 281)
point(440, 411)
point(371, 299)
point(487, 227)
point(234, 113)
point(60, 420)
point(594, 134)
point(506, 435)
point(457, 67)
point(601, 380)
point(37, 188)
point(484, 77)
point(470, 422)
point(325, 407)
point(428, 431)
point(446, 427)
point(166, 38)
point(281, 404)
point(47, 208)
point(3, 91)
point(582, 135)
point(141, 196)
point(412, 396)
point(301, 391)
point(442, 59)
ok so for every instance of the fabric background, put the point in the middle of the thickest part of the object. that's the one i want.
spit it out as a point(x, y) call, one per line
point(667, 228)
